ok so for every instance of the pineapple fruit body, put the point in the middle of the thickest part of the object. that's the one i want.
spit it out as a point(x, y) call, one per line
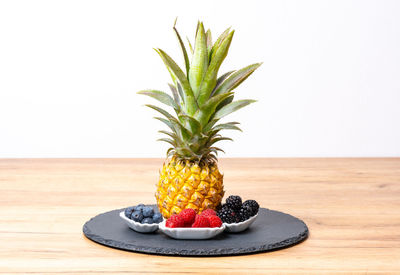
point(183, 184)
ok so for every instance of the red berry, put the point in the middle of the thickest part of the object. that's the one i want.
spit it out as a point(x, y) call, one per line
point(175, 221)
point(208, 212)
point(188, 215)
point(201, 221)
point(214, 221)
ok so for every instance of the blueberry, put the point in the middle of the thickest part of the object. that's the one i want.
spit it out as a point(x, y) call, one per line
point(147, 220)
point(137, 216)
point(148, 212)
point(128, 211)
point(157, 218)
point(139, 207)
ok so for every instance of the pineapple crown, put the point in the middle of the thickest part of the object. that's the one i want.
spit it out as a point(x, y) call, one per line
point(199, 97)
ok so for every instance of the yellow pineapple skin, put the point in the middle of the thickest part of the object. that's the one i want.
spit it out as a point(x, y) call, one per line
point(186, 185)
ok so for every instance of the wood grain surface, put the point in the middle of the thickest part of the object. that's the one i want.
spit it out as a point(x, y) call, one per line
point(352, 208)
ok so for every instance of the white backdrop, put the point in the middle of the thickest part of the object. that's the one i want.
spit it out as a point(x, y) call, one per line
point(329, 85)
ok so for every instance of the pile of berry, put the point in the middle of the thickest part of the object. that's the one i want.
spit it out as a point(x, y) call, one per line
point(143, 214)
point(234, 211)
point(189, 218)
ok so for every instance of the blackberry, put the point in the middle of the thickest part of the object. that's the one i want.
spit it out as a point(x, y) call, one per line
point(237, 217)
point(253, 205)
point(245, 213)
point(227, 215)
point(234, 202)
point(219, 207)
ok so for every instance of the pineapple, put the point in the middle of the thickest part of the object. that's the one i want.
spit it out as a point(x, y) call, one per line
point(190, 177)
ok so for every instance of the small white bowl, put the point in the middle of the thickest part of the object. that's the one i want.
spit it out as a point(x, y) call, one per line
point(137, 226)
point(240, 226)
point(188, 233)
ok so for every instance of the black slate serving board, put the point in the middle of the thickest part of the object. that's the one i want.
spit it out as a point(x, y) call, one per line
point(272, 230)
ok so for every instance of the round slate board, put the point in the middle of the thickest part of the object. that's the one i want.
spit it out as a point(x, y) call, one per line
point(272, 230)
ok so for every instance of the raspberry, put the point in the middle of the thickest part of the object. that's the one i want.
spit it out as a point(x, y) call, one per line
point(208, 212)
point(214, 221)
point(201, 221)
point(188, 215)
point(175, 221)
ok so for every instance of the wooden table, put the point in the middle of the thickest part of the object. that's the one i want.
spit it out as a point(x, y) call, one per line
point(352, 208)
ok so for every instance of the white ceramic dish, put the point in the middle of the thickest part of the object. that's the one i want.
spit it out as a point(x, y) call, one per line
point(187, 233)
point(240, 226)
point(137, 226)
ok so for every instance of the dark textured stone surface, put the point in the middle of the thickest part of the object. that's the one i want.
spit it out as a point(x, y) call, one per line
point(272, 230)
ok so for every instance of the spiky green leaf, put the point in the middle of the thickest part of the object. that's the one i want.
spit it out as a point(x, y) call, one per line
point(220, 80)
point(175, 94)
point(170, 152)
point(216, 149)
point(180, 92)
point(185, 152)
point(190, 45)
point(236, 79)
point(185, 56)
point(194, 125)
point(179, 128)
point(190, 102)
point(170, 141)
point(213, 157)
point(207, 110)
point(226, 126)
point(166, 122)
point(199, 64)
point(210, 79)
point(225, 102)
point(172, 135)
point(232, 107)
point(218, 42)
point(210, 124)
point(160, 96)
point(216, 139)
point(209, 43)
point(160, 110)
